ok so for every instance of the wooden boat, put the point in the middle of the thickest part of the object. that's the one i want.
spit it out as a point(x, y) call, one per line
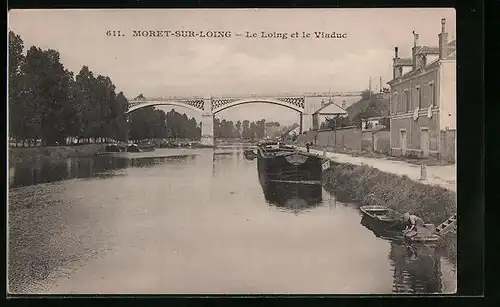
point(383, 218)
point(388, 223)
point(282, 163)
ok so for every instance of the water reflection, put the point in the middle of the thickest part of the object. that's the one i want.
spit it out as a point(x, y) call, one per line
point(381, 233)
point(293, 196)
point(100, 166)
point(417, 267)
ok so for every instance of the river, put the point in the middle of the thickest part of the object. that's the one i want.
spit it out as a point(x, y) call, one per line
point(195, 221)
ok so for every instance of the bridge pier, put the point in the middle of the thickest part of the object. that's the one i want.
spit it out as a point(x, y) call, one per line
point(306, 122)
point(207, 123)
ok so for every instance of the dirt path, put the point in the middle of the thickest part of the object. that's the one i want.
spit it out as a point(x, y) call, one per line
point(442, 175)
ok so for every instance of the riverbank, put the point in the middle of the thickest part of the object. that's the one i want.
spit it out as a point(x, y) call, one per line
point(27, 155)
point(369, 186)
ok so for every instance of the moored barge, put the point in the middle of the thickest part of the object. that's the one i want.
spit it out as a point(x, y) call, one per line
point(281, 163)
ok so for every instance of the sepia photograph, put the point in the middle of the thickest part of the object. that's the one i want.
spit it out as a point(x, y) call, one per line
point(232, 151)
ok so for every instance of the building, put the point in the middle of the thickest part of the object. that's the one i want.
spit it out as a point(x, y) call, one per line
point(423, 100)
point(372, 123)
point(327, 109)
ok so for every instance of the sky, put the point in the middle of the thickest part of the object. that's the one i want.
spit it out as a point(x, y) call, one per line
point(236, 65)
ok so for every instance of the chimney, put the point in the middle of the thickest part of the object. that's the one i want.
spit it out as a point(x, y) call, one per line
point(396, 70)
point(414, 51)
point(443, 41)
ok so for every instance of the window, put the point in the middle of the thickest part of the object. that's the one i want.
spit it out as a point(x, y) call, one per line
point(395, 103)
point(433, 94)
point(407, 100)
point(419, 97)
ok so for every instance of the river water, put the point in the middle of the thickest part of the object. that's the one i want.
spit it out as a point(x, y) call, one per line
point(195, 221)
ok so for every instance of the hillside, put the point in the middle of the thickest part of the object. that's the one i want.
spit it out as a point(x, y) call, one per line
point(378, 106)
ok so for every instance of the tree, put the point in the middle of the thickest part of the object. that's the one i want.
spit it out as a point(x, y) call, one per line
point(16, 105)
point(365, 95)
point(84, 105)
point(120, 106)
point(47, 93)
point(246, 133)
point(238, 128)
point(260, 127)
point(253, 130)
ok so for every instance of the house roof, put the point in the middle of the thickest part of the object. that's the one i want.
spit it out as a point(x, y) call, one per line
point(331, 108)
point(451, 56)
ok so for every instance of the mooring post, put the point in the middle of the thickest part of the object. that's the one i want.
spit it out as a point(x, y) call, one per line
point(423, 172)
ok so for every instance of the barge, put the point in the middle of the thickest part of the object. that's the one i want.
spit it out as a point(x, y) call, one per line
point(281, 163)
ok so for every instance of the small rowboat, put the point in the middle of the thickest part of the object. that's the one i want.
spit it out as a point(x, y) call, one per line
point(386, 222)
point(383, 217)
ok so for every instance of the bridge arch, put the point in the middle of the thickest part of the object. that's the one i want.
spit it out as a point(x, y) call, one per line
point(218, 107)
point(151, 103)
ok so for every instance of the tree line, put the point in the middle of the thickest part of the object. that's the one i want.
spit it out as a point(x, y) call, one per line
point(242, 129)
point(148, 123)
point(48, 102)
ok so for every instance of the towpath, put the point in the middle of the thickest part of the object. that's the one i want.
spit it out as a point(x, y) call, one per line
point(442, 175)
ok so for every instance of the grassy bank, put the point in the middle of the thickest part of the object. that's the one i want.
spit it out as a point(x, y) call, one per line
point(26, 155)
point(369, 186)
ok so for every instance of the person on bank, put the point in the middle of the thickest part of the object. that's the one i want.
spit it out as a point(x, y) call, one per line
point(308, 146)
point(415, 226)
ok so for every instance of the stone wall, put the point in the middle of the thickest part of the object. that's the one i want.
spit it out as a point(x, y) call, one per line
point(347, 138)
point(378, 141)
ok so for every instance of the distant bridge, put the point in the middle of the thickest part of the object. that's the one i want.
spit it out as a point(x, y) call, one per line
point(209, 106)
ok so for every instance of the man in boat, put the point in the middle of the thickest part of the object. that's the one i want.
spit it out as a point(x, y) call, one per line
point(415, 226)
